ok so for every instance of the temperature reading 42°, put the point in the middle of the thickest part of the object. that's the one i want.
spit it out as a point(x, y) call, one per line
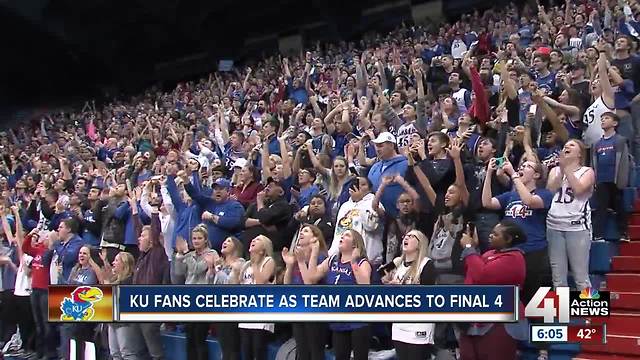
point(587, 333)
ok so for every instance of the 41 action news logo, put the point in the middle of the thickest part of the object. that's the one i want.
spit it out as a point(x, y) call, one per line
point(563, 303)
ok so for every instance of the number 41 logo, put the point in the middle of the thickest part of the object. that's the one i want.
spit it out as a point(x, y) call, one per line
point(549, 305)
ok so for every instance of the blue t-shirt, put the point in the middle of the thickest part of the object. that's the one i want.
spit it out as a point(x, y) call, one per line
point(396, 166)
point(307, 194)
point(606, 157)
point(624, 94)
point(341, 273)
point(547, 82)
point(532, 221)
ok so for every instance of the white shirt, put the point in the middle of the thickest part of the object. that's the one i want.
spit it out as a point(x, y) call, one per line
point(569, 212)
point(361, 217)
point(411, 333)
point(404, 134)
point(247, 278)
point(23, 277)
point(591, 119)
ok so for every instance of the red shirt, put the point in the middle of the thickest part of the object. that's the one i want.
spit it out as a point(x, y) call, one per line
point(39, 269)
point(247, 195)
point(506, 267)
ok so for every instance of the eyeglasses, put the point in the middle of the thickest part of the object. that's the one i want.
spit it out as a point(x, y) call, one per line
point(523, 166)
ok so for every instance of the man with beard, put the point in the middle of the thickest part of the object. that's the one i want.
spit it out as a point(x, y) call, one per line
point(259, 113)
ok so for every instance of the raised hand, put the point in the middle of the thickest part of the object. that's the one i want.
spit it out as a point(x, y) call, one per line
point(182, 246)
point(288, 258)
point(455, 149)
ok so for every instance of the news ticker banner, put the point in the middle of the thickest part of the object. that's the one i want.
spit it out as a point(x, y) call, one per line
point(284, 303)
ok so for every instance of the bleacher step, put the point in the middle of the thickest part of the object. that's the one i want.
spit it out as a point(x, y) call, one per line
point(623, 282)
point(625, 300)
point(624, 323)
point(630, 249)
point(629, 264)
point(634, 232)
point(597, 356)
point(616, 344)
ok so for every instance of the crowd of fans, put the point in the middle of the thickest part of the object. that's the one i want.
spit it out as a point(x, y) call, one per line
point(472, 153)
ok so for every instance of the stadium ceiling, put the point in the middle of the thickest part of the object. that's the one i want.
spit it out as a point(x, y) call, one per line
point(78, 47)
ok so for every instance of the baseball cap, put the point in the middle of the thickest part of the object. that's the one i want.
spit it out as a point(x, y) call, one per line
point(385, 137)
point(222, 182)
point(240, 162)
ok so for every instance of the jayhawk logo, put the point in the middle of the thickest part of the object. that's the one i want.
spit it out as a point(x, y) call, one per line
point(79, 307)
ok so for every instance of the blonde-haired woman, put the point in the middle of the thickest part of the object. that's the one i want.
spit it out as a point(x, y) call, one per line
point(259, 270)
point(310, 339)
point(227, 271)
point(348, 267)
point(193, 266)
point(121, 335)
point(413, 267)
point(336, 180)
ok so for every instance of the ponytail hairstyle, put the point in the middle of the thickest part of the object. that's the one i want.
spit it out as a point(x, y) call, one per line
point(201, 229)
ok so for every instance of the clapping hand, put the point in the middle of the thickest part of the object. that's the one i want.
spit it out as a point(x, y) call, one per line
point(288, 257)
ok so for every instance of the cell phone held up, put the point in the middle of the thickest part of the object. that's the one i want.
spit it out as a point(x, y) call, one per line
point(386, 268)
point(500, 161)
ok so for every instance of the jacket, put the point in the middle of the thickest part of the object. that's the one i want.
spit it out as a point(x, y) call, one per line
point(113, 227)
point(494, 267)
point(230, 214)
point(623, 161)
point(187, 215)
point(91, 227)
point(192, 267)
point(152, 267)
point(68, 254)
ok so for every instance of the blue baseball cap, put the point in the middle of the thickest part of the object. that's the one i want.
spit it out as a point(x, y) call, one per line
point(222, 182)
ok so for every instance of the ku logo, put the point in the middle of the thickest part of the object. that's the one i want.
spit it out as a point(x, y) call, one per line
point(79, 307)
point(518, 210)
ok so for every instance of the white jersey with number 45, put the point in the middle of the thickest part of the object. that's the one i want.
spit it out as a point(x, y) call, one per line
point(591, 119)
